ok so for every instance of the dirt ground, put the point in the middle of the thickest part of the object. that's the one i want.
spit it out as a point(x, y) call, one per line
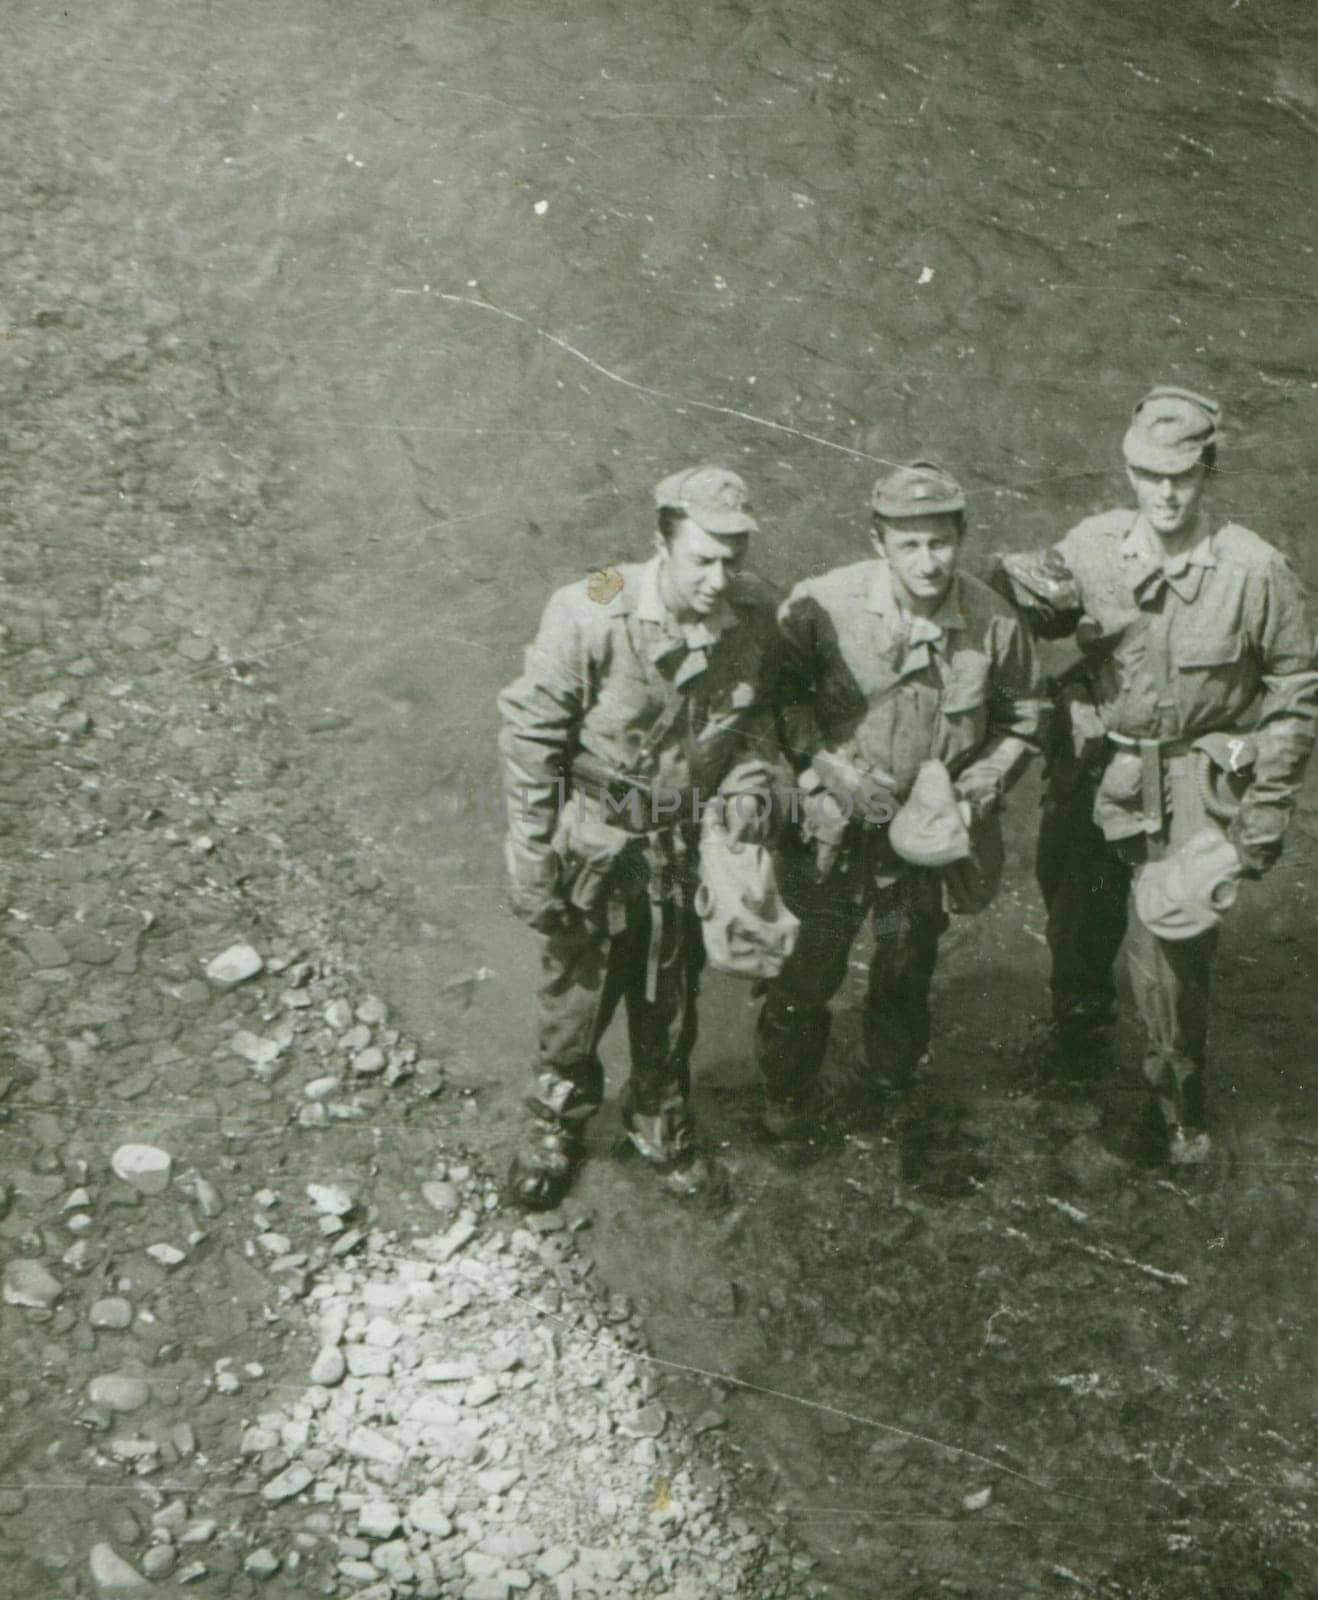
point(334, 338)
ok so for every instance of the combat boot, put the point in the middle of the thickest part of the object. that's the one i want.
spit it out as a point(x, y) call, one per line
point(666, 1140)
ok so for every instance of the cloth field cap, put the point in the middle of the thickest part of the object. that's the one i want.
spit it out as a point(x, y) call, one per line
point(919, 489)
point(713, 497)
point(1170, 429)
point(929, 830)
point(1185, 894)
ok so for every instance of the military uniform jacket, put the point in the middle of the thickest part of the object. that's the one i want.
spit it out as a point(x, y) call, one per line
point(1215, 640)
point(615, 685)
point(883, 690)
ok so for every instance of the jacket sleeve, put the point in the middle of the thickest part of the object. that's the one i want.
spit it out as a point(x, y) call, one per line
point(1042, 587)
point(541, 712)
point(1288, 710)
point(1017, 713)
point(798, 728)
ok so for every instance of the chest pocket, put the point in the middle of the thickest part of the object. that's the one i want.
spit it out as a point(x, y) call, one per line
point(966, 686)
point(1203, 652)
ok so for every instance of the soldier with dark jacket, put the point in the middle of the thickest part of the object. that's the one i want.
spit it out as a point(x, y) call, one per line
point(1193, 705)
point(889, 664)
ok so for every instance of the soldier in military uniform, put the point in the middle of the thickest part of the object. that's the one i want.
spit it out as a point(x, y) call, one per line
point(648, 690)
point(1196, 676)
point(889, 663)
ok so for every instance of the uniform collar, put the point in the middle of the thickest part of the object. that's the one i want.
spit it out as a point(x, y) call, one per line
point(1149, 568)
point(694, 637)
point(916, 639)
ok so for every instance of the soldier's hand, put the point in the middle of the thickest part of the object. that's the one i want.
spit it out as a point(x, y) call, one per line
point(552, 917)
point(977, 799)
point(1258, 857)
point(747, 817)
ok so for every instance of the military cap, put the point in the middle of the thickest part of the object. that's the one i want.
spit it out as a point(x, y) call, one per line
point(1170, 429)
point(713, 497)
point(919, 489)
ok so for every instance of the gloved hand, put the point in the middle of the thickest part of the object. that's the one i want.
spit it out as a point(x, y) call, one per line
point(748, 803)
point(1257, 855)
point(825, 817)
point(978, 794)
point(552, 917)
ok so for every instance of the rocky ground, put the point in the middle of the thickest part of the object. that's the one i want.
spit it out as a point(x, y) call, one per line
point(266, 1327)
point(325, 352)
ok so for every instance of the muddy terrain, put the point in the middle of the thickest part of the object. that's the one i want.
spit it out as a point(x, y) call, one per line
point(334, 338)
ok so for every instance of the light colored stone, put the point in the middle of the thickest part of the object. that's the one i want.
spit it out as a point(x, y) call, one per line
point(256, 1048)
point(119, 1391)
point(159, 1561)
point(385, 1296)
point(383, 1333)
point(368, 1361)
point(262, 1563)
point(136, 1451)
point(167, 1255)
point(329, 1367)
point(28, 1283)
point(463, 1370)
point(320, 1088)
point(144, 1167)
point(369, 1444)
point(111, 1571)
point(200, 1531)
point(558, 1558)
point(432, 1412)
point(234, 965)
point(513, 1543)
point(291, 1481)
point(480, 1392)
point(427, 1514)
point(338, 1015)
point(378, 1519)
point(366, 1063)
point(330, 1199)
point(442, 1196)
point(498, 1480)
point(373, 1011)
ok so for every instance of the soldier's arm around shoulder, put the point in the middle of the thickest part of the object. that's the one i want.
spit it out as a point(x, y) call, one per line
point(797, 635)
point(540, 713)
point(1017, 708)
point(1043, 584)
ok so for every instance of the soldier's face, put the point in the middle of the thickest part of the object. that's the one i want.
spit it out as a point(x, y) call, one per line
point(921, 553)
point(697, 567)
point(1168, 500)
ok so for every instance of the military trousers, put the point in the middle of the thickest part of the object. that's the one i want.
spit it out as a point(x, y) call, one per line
point(905, 906)
point(1085, 882)
point(643, 951)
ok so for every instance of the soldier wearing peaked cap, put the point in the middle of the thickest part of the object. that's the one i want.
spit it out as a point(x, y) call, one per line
point(648, 686)
point(1193, 704)
point(907, 684)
